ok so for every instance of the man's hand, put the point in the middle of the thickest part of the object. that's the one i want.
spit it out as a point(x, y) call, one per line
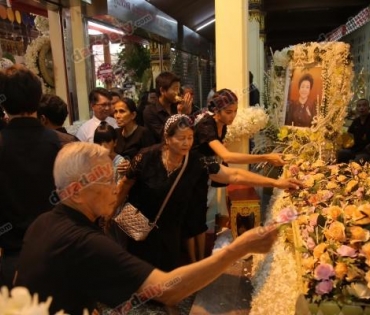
point(289, 183)
point(259, 239)
point(186, 105)
point(123, 167)
point(275, 159)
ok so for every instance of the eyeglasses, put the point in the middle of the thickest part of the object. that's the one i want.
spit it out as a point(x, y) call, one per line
point(103, 105)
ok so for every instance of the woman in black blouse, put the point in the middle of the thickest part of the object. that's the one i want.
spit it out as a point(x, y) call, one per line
point(210, 132)
point(131, 137)
point(150, 177)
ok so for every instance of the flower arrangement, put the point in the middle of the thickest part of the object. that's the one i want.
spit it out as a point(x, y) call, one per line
point(334, 230)
point(334, 60)
point(5, 63)
point(20, 302)
point(247, 122)
point(31, 59)
point(42, 24)
point(105, 73)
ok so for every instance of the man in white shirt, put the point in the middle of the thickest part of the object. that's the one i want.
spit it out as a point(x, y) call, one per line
point(100, 102)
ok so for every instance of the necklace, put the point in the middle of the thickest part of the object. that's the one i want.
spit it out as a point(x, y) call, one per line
point(167, 167)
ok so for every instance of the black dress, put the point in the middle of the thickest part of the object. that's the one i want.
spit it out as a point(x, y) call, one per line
point(162, 247)
point(130, 146)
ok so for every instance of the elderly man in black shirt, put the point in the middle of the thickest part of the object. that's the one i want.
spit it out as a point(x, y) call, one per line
point(27, 154)
point(66, 256)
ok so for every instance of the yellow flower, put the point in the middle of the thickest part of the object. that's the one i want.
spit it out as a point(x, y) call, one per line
point(309, 182)
point(308, 263)
point(319, 250)
point(354, 273)
point(341, 178)
point(283, 133)
point(367, 278)
point(314, 136)
point(335, 232)
point(341, 270)
point(351, 212)
point(362, 175)
point(333, 212)
point(331, 185)
point(358, 234)
point(355, 166)
point(319, 176)
point(366, 250)
point(325, 258)
point(352, 185)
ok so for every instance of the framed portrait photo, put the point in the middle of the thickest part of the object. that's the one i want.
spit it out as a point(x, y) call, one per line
point(303, 92)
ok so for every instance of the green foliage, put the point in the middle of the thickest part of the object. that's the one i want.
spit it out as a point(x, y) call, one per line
point(135, 58)
point(9, 56)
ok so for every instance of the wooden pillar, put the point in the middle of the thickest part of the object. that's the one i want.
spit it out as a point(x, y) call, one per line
point(78, 27)
point(232, 61)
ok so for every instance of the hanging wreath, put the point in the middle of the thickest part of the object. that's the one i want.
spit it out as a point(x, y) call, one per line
point(38, 59)
point(105, 73)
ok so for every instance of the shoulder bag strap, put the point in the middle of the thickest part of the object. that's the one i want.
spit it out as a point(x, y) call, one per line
point(171, 190)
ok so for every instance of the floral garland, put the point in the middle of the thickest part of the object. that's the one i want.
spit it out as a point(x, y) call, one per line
point(337, 74)
point(42, 24)
point(274, 275)
point(248, 122)
point(20, 302)
point(31, 60)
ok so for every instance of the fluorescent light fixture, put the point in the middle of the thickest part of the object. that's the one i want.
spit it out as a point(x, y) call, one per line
point(205, 24)
point(105, 28)
point(94, 32)
point(166, 19)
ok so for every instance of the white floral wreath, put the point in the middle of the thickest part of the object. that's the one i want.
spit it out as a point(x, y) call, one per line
point(39, 46)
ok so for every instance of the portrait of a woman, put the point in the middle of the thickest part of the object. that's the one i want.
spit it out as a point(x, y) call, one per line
point(301, 111)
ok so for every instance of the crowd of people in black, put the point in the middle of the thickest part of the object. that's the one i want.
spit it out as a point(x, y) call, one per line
point(71, 248)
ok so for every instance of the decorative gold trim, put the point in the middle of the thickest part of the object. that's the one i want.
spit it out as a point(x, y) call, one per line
point(255, 15)
point(244, 208)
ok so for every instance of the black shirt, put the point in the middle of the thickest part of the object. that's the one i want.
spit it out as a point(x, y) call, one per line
point(361, 133)
point(155, 117)
point(27, 154)
point(130, 146)
point(66, 256)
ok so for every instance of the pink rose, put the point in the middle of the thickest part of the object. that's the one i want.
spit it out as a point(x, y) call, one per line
point(294, 170)
point(286, 215)
point(313, 219)
point(324, 287)
point(310, 243)
point(346, 251)
point(324, 272)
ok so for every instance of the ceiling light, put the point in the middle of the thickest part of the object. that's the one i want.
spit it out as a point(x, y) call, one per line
point(205, 24)
point(94, 32)
point(101, 27)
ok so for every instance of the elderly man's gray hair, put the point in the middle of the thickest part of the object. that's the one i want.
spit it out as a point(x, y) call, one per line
point(74, 160)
